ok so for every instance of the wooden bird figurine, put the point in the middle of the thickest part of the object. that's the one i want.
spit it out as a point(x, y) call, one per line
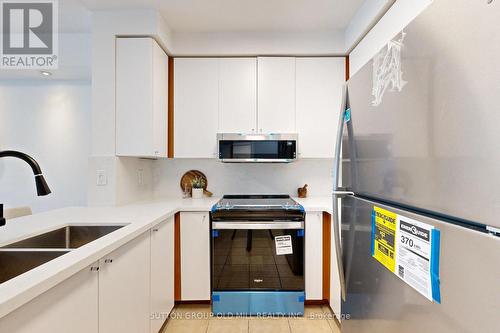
point(302, 191)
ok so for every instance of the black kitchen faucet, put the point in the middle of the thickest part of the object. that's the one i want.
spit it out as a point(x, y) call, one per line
point(41, 185)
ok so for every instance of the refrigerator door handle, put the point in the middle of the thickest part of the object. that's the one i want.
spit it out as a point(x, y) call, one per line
point(339, 192)
point(342, 192)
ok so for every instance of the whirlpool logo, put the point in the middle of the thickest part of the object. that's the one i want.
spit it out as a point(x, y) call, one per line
point(29, 34)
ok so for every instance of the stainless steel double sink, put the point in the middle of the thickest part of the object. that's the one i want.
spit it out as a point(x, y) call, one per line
point(22, 256)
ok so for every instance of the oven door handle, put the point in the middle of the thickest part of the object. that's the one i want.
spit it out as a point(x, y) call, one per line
point(237, 225)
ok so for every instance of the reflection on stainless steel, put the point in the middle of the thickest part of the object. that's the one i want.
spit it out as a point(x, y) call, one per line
point(436, 141)
point(378, 302)
point(69, 237)
point(14, 262)
point(432, 150)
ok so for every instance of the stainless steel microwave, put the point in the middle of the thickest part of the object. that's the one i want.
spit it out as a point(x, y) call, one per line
point(257, 148)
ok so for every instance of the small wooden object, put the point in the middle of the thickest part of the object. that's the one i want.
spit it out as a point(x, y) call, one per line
point(302, 191)
point(188, 177)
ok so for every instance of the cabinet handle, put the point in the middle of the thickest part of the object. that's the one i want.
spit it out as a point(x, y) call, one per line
point(155, 230)
point(94, 269)
point(108, 261)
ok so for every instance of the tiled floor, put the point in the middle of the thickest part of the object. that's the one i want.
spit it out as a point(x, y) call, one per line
point(197, 319)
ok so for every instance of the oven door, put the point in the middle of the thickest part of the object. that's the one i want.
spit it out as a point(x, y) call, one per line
point(256, 270)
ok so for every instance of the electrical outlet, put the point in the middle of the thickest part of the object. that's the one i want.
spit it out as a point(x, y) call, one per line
point(140, 177)
point(102, 178)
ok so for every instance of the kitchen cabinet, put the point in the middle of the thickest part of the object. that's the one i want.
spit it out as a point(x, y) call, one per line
point(141, 98)
point(195, 256)
point(314, 255)
point(124, 288)
point(196, 107)
point(319, 83)
point(276, 95)
point(162, 273)
point(71, 306)
point(237, 95)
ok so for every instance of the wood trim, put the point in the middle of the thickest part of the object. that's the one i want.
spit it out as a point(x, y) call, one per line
point(347, 68)
point(194, 302)
point(327, 233)
point(170, 117)
point(316, 302)
point(177, 257)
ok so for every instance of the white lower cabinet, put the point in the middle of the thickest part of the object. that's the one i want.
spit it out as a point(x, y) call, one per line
point(162, 273)
point(314, 255)
point(130, 290)
point(195, 256)
point(70, 306)
point(124, 282)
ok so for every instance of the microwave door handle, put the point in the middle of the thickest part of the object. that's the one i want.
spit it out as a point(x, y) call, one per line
point(339, 192)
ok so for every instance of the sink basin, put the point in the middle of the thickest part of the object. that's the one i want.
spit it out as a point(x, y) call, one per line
point(69, 237)
point(16, 262)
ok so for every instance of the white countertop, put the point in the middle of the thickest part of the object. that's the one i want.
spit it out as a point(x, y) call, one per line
point(139, 218)
point(316, 204)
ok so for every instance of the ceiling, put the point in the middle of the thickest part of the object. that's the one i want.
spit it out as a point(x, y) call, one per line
point(242, 15)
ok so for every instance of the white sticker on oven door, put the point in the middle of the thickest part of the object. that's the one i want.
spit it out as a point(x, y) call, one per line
point(283, 245)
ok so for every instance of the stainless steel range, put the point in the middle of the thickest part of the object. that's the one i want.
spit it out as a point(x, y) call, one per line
point(257, 255)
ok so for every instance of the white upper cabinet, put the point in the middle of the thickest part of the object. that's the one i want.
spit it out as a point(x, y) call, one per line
point(319, 83)
point(141, 98)
point(237, 95)
point(196, 107)
point(276, 95)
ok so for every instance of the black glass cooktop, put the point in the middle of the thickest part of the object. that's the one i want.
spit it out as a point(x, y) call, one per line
point(257, 202)
point(257, 207)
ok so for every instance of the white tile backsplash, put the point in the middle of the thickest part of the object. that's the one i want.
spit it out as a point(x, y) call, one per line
point(231, 178)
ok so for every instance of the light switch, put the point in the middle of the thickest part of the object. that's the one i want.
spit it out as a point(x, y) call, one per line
point(102, 178)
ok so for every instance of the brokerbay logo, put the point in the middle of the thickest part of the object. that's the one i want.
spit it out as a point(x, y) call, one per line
point(29, 34)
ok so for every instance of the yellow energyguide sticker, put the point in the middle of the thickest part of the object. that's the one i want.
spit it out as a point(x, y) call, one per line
point(384, 237)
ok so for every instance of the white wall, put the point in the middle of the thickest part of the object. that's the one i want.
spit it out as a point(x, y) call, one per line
point(258, 43)
point(50, 121)
point(364, 19)
point(396, 18)
point(231, 178)
point(122, 184)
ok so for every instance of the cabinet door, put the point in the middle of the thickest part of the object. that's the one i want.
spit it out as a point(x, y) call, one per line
point(195, 257)
point(124, 288)
point(160, 101)
point(314, 255)
point(70, 306)
point(318, 96)
point(238, 95)
point(196, 107)
point(162, 273)
point(276, 95)
point(134, 97)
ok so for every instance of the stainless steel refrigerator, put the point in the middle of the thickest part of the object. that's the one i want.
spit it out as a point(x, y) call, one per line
point(421, 138)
